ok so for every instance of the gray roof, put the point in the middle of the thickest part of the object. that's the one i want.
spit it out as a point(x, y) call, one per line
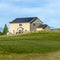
point(42, 26)
point(22, 20)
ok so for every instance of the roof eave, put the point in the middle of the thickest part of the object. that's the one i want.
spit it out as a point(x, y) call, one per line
point(19, 22)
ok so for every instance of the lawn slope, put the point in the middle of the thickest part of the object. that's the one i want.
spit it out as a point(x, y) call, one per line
point(39, 42)
point(44, 45)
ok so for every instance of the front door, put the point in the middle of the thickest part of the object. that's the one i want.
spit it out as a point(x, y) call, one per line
point(20, 31)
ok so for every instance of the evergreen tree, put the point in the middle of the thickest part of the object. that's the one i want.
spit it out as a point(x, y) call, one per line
point(5, 29)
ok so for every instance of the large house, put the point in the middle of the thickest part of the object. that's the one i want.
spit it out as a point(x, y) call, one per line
point(28, 24)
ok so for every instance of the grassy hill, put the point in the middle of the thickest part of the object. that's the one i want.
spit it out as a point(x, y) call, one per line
point(40, 42)
point(32, 43)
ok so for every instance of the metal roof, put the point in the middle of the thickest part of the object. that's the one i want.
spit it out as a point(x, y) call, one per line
point(22, 20)
point(42, 26)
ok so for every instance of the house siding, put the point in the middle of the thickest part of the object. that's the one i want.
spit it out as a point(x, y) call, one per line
point(14, 27)
point(37, 22)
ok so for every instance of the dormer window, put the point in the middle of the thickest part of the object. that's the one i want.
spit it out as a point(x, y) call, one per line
point(20, 24)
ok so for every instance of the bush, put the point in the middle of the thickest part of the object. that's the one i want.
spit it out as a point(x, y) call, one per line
point(1, 33)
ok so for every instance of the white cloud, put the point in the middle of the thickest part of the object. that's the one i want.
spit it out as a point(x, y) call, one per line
point(50, 9)
point(47, 13)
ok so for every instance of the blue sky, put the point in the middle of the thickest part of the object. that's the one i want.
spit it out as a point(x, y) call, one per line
point(47, 10)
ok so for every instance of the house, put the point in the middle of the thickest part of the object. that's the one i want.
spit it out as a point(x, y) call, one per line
point(28, 24)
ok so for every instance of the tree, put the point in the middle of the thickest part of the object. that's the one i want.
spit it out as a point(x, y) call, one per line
point(5, 29)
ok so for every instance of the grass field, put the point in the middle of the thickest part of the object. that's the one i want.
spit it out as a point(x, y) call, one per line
point(30, 46)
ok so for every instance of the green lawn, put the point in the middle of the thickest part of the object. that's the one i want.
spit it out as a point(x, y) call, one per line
point(39, 42)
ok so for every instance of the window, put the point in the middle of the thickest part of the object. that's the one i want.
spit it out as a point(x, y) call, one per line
point(20, 24)
point(13, 31)
point(34, 24)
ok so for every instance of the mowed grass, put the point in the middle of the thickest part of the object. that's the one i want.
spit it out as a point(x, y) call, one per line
point(39, 42)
